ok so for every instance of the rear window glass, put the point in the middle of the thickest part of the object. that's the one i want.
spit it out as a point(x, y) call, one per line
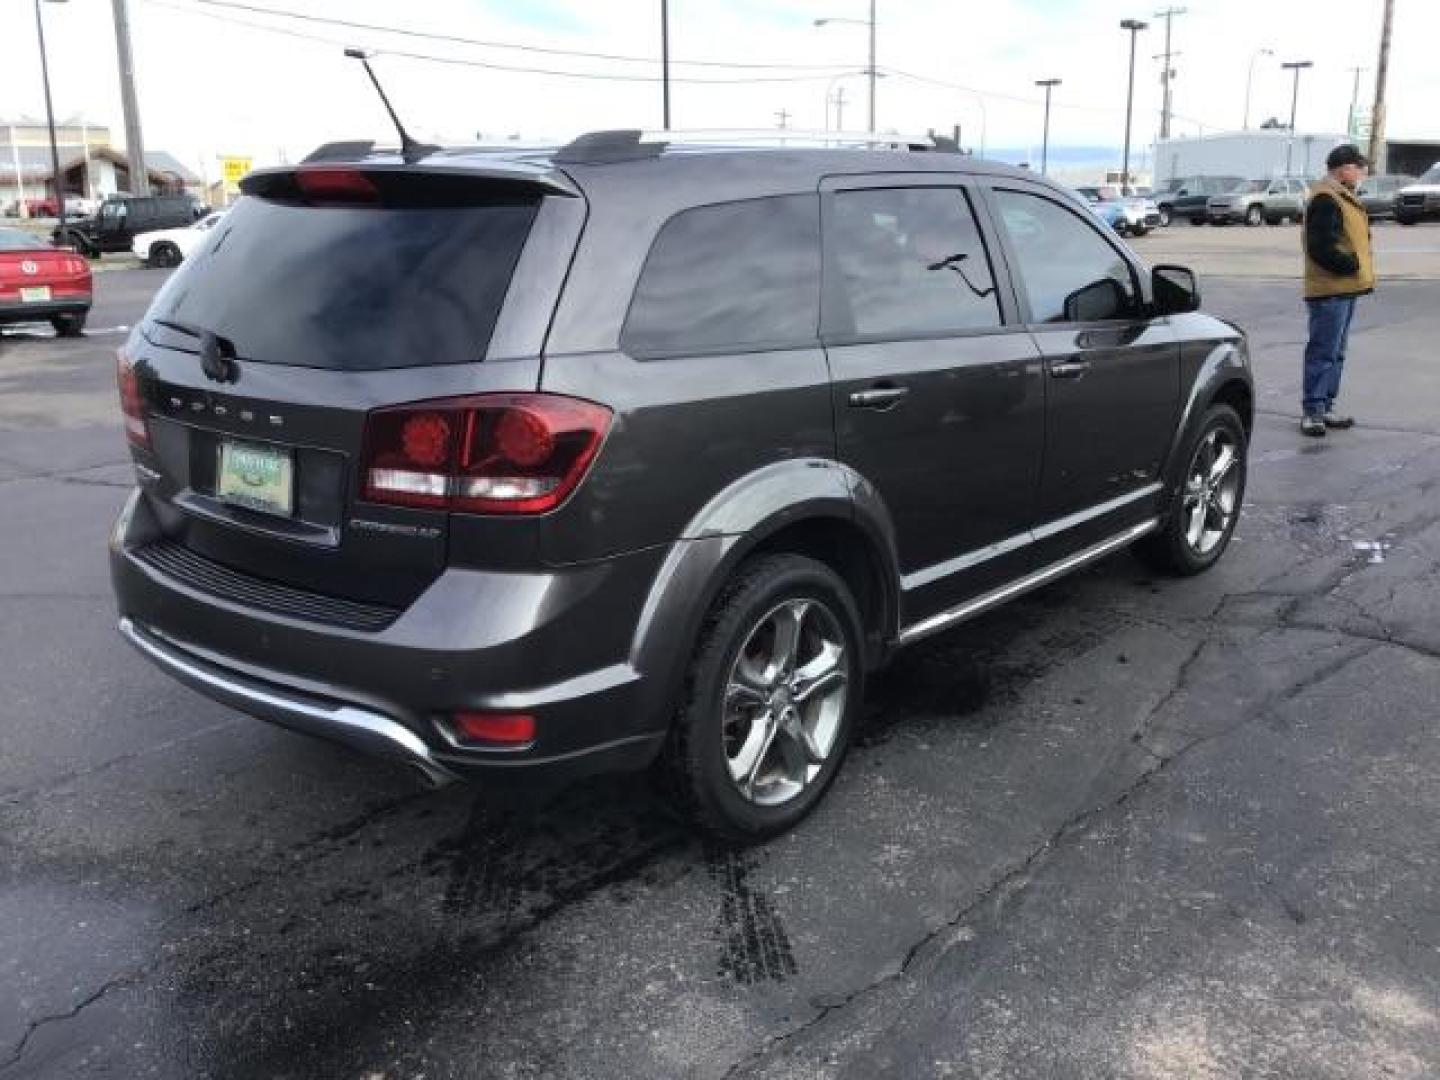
point(741, 275)
point(356, 289)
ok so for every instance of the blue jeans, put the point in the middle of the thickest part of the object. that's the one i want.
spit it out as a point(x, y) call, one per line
point(1325, 352)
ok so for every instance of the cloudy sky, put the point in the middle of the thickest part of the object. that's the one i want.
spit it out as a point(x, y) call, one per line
point(223, 76)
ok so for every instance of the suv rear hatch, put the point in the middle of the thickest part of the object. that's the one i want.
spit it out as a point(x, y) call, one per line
point(327, 293)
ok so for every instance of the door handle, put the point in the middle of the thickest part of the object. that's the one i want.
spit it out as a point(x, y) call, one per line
point(879, 397)
point(1068, 369)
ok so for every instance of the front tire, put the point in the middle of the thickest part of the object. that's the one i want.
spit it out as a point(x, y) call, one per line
point(1200, 521)
point(1254, 216)
point(1164, 217)
point(772, 694)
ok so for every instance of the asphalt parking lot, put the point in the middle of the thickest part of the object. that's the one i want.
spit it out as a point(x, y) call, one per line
point(1126, 827)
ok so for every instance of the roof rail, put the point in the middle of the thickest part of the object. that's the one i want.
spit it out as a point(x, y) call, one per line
point(600, 147)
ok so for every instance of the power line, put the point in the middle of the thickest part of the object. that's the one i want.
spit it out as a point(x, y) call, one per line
point(459, 40)
point(490, 65)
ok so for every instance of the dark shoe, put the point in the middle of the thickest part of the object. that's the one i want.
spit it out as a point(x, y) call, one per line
point(1334, 420)
point(1313, 425)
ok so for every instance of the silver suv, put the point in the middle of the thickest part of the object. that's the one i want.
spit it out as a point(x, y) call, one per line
point(1257, 202)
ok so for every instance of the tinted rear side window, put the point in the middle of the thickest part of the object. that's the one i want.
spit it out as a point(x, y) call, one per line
point(733, 276)
point(351, 288)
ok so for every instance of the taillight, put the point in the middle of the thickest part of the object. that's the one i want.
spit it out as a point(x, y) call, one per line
point(132, 401)
point(513, 730)
point(487, 454)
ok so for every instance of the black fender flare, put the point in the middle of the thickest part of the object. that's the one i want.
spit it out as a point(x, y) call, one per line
point(730, 527)
point(1228, 362)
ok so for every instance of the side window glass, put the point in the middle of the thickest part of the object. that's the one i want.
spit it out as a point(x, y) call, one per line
point(909, 261)
point(741, 275)
point(1067, 269)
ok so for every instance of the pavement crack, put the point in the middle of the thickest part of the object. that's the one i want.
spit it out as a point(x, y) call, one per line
point(59, 1018)
point(1014, 881)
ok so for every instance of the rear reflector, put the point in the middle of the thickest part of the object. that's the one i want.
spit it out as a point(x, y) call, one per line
point(132, 401)
point(494, 729)
point(485, 454)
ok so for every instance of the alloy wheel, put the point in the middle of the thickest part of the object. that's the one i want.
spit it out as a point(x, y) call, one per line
point(1212, 492)
point(784, 701)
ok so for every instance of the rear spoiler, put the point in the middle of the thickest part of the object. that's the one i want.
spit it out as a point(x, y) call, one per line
point(334, 171)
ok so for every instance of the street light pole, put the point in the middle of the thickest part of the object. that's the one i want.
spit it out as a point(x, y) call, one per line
point(1134, 26)
point(665, 59)
point(1354, 101)
point(872, 65)
point(1250, 79)
point(50, 122)
point(1048, 84)
point(870, 25)
point(1296, 66)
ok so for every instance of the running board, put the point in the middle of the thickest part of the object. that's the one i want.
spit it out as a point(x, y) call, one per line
point(981, 604)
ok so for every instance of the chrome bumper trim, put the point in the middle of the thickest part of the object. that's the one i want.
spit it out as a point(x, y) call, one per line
point(361, 728)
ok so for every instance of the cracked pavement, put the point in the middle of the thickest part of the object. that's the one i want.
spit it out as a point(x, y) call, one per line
point(1125, 827)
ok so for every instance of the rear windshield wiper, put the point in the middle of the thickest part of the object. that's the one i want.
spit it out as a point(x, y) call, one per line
point(218, 358)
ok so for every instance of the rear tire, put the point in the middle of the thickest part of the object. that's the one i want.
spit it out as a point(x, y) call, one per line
point(770, 700)
point(69, 325)
point(164, 255)
point(1197, 221)
point(1200, 521)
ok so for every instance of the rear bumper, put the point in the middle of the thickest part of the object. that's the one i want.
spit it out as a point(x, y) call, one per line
point(552, 644)
point(14, 312)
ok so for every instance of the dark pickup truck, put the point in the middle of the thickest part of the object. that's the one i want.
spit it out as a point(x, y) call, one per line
point(120, 220)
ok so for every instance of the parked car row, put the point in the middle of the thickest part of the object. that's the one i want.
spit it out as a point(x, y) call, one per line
point(1224, 200)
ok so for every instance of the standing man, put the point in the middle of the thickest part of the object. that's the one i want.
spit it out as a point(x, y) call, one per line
point(1339, 268)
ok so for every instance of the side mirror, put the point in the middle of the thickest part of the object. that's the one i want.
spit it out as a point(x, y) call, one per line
point(1176, 290)
point(1103, 299)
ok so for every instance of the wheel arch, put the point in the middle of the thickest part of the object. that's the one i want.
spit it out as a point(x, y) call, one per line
point(828, 519)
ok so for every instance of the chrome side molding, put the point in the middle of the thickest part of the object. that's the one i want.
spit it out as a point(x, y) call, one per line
point(980, 604)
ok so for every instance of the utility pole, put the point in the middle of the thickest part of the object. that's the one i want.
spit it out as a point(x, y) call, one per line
point(840, 108)
point(1168, 15)
point(1377, 152)
point(783, 117)
point(134, 144)
point(665, 59)
point(1354, 101)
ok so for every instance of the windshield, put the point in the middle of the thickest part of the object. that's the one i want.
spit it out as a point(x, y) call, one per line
point(356, 289)
point(1249, 185)
point(19, 240)
point(1432, 175)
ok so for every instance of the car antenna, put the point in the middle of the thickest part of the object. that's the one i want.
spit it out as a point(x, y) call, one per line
point(410, 150)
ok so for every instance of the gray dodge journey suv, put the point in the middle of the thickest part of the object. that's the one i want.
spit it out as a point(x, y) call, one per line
point(630, 453)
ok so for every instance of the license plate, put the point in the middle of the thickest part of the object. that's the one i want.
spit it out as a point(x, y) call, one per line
point(256, 476)
point(36, 294)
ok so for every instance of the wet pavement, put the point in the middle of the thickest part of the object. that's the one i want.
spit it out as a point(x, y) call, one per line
point(1127, 827)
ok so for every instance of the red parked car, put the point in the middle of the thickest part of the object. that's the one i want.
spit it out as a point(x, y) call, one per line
point(42, 283)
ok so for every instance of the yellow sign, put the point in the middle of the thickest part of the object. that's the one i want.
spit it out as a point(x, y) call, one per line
point(234, 169)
